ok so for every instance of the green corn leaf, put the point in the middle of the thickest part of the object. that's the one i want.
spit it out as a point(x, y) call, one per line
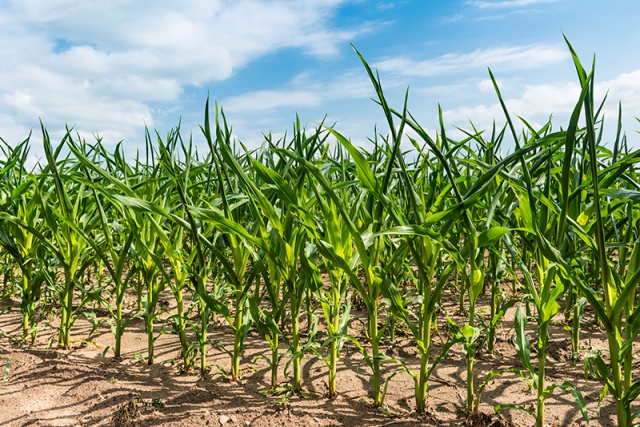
point(550, 305)
point(579, 399)
point(523, 347)
point(397, 304)
point(491, 236)
point(503, 407)
point(366, 176)
point(632, 393)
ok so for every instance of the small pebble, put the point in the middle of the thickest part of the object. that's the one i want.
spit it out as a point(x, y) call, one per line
point(224, 419)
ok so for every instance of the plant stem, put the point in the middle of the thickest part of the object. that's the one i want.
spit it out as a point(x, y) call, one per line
point(202, 312)
point(295, 336)
point(495, 293)
point(119, 328)
point(470, 359)
point(237, 340)
point(333, 349)
point(150, 342)
point(542, 356)
point(184, 343)
point(375, 340)
point(623, 411)
point(575, 332)
point(274, 362)
point(66, 314)
point(421, 383)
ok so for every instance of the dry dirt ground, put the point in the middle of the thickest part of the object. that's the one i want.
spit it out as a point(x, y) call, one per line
point(41, 386)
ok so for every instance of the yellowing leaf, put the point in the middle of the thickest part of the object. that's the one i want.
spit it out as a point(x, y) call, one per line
point(583, 219)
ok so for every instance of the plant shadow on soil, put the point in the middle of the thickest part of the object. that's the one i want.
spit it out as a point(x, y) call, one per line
point(49, 387)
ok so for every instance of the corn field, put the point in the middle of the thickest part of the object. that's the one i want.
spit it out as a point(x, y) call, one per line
point(287, 238)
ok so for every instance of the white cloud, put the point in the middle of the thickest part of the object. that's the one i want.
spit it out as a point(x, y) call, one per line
point(305, 90)
point(343, 100)
point(265, 100)
point(486, 85)
point(481, 115)
point(545, 99)
point(103, 64)
point(625, 88)
point(465, 99)
point(503, 58)
point(464, 89)
point(536, 103)
point(189, 34)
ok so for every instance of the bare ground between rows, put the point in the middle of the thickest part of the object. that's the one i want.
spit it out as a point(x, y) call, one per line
point(51, 387)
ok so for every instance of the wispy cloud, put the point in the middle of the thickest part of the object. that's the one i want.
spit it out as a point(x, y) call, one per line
point(502, 16)
point(450, 19)
point(265, 100)
point(508, 4)
point(504, 58)
point(385, 5)
point(305, 90)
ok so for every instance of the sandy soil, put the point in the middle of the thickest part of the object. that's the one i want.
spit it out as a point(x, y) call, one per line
point(50, 387)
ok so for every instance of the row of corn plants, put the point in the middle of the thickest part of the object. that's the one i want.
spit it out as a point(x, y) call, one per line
point(286, 238)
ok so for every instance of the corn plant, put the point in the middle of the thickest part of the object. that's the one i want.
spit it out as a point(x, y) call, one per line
point(241, 242)
point(546, 222)
point(147, 250)
point(295, 233)
point(330, 241)
point(337, 247)
point(496, 203)
point(198, 264)
point(424, 245)
point(147, 247)
point(618, 299)
point(113, 242)
point(65, 211)
point(17, 199)
point(469, 259)
point(280, 237)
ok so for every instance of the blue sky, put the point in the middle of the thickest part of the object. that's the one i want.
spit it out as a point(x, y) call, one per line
point(112, 67)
